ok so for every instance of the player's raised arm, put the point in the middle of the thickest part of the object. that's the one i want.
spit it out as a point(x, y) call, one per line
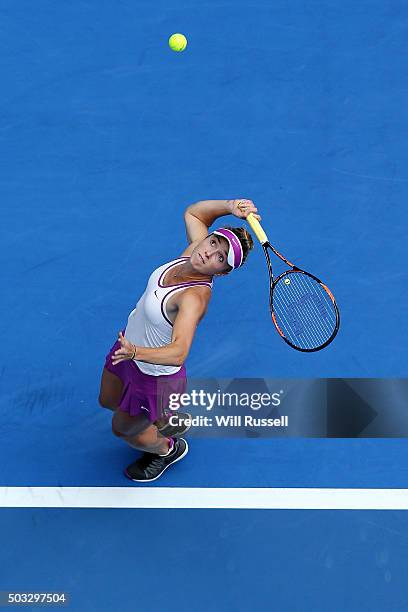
point(200, 216)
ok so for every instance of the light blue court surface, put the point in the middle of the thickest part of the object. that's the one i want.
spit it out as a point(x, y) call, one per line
point(105, 137)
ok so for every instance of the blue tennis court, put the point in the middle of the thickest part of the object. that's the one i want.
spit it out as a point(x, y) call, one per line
point(106, 136)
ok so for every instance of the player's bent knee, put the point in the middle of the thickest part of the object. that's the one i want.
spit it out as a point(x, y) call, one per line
point(137, 428)
point(145, 438)
point(116, 432)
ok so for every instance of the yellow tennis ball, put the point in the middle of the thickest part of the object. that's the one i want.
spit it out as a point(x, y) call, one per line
point(177, 42)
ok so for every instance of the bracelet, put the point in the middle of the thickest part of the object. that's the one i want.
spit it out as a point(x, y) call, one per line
point(134, 352)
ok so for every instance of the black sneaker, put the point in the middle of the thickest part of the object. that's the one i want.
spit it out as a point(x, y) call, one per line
point(180, 424)
point(150, 467)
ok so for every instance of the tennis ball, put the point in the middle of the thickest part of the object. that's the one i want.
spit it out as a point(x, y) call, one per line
point(177, 42)
point(287, 281)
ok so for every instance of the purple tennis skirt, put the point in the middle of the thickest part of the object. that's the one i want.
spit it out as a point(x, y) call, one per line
point(143, 393)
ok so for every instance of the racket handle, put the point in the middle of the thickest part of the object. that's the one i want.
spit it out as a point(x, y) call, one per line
point(257, 228)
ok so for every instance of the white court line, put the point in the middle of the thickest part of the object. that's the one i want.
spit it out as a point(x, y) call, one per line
point(228, 498)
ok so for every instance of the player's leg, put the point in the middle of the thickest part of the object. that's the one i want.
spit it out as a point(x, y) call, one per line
point(171, 422)
point(174, 424)
point(110, 390)
point(160, 452)
point(139, 433)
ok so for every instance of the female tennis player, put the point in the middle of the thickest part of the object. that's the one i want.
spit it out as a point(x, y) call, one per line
point(146, 364)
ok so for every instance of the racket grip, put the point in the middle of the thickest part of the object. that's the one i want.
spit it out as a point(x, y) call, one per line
point(257, 228)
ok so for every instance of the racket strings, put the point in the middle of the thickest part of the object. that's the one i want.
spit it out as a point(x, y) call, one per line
point(320, 303)
point(304, 311)
point(306, 315)
point(305, 324)
point(301, 326)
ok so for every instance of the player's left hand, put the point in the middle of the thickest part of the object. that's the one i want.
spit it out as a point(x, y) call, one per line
point(126, 351)
point(241, 209)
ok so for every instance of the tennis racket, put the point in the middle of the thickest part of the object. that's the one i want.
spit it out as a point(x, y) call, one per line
point(303, 309)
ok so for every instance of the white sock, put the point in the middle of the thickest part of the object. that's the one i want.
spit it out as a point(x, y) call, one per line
point(171, 447)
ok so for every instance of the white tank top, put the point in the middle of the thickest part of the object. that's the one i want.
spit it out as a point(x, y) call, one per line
point(148, 324)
